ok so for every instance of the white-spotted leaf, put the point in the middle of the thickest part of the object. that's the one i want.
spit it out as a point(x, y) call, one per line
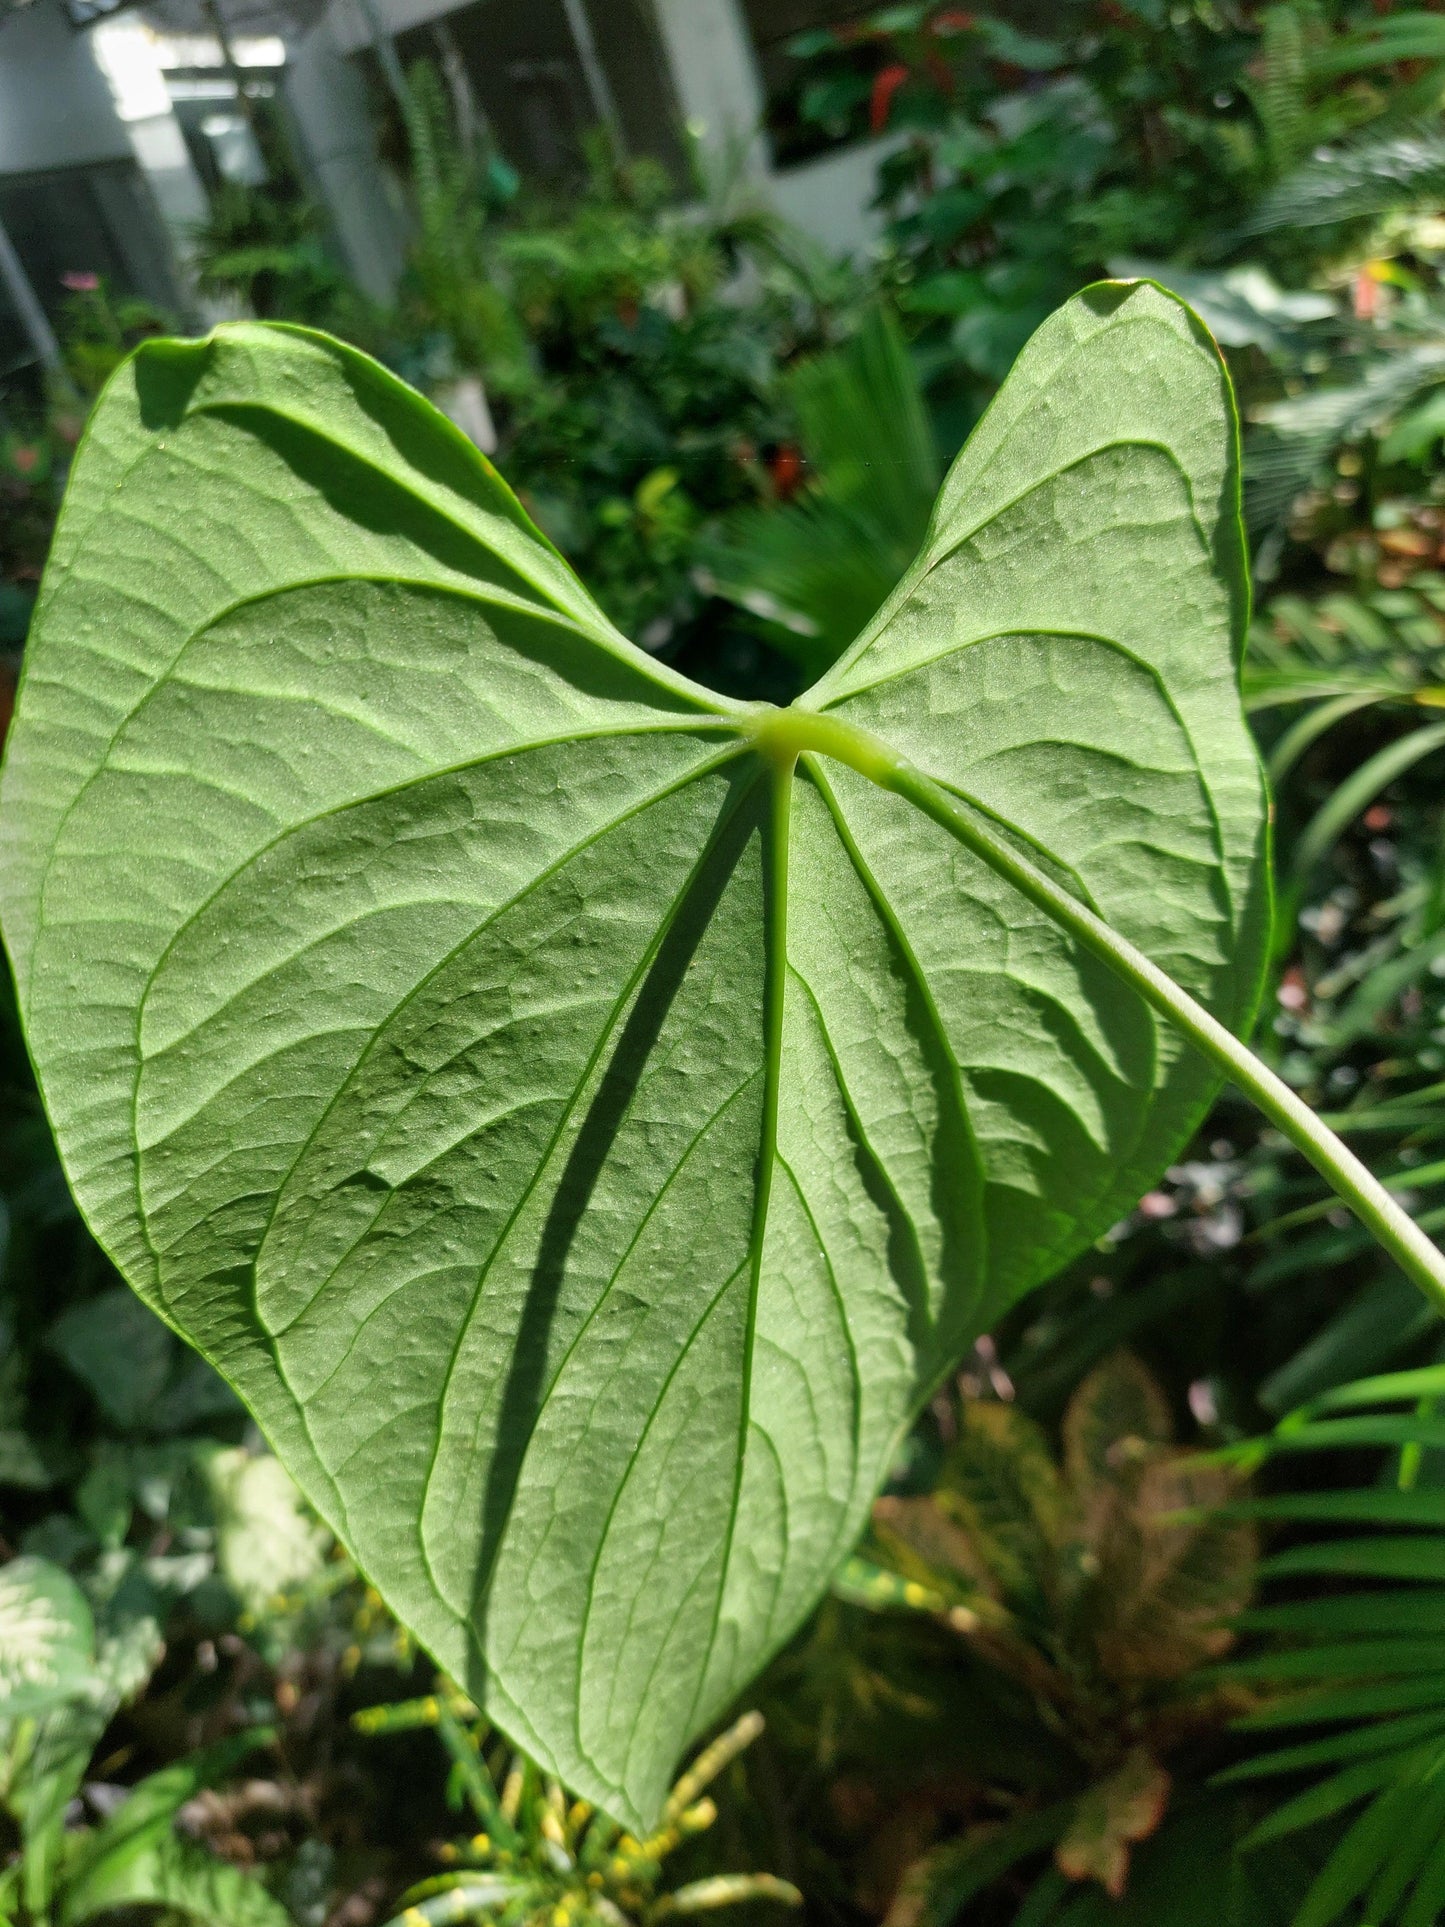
point(582, 1132)
point(47, 1638)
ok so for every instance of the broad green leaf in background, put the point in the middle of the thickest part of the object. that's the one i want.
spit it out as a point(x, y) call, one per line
point(582, 1129)
point(47, 1638)
point(267, 1542)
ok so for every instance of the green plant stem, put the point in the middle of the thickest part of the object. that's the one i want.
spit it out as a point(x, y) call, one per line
point(788, 733)
point(1371, 1203)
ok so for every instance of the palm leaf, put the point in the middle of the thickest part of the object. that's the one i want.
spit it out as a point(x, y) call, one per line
point(1296, 436)
point(1366, 178)
point(819, 567)
point(1372, 1663)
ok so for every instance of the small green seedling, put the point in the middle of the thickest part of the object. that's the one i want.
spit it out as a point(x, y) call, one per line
point(542, 1860)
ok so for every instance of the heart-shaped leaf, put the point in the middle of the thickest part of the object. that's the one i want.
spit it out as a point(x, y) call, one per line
point(583, 1132)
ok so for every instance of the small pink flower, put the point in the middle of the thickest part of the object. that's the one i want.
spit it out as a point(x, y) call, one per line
point(80, 281)
point(25, 457)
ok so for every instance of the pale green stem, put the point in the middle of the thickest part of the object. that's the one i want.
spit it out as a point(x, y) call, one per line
point(784, 734)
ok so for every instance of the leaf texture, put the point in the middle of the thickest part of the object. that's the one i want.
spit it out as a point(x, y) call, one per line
point(583, 1139)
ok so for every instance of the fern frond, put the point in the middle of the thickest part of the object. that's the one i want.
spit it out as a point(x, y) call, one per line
point(1279, 92)
point(1367, 178)
point(1294, 438)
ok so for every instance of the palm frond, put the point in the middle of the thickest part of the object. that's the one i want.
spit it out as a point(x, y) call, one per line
point(1294, 438)
point(1367, 1665)
point(1367, 178)
point(1279, 90)
point(819, 567)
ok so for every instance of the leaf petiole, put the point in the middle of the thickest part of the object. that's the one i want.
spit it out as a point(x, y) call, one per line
point(797, 731)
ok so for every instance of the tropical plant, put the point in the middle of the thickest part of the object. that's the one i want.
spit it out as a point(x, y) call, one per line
point(583, 1113)
point(1363, 179)
point(1337, 657)
point(101, 328)
point(1358, 1675)
point(541, 1858)
point(61, 1679)
point(267, 250)
point(819, 565)
point(656, 405)
point(1021, 164)
point(1367, 210)
point(453, 284)
point(1102, 1587)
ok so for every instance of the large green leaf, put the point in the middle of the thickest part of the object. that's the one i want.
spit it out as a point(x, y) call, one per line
point(582, 1134)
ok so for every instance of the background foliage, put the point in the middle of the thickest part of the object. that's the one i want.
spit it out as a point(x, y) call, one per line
point(1055, 1685)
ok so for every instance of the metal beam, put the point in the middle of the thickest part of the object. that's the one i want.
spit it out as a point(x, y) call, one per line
point(599, 88)
point(33, 318)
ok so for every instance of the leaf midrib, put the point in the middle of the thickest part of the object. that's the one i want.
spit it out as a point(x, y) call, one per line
point(674, 909)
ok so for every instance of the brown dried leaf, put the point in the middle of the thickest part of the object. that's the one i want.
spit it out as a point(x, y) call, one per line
point(1110, 1818)
point(1117, 1413)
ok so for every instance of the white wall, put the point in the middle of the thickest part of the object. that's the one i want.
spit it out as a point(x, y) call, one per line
point(55, 106)
point(331, 119)
point(828, 198)
point(715, 76)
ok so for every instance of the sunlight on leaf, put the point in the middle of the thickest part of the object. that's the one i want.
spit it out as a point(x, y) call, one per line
point(581, 1131)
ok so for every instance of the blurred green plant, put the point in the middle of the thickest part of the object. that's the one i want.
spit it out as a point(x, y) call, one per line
point(817, 565)
point(656, 405)
point(266, 251)
point(99, 329)
point(453, 283)
point(1022, 163)
point(543, 1859)
point(67, 1662)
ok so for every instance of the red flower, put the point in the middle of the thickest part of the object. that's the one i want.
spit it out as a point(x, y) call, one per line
point(884, 88)
point(25, 457)
point(786, 470)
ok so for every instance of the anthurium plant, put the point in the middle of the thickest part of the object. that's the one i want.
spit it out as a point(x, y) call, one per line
point(581, 1114)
